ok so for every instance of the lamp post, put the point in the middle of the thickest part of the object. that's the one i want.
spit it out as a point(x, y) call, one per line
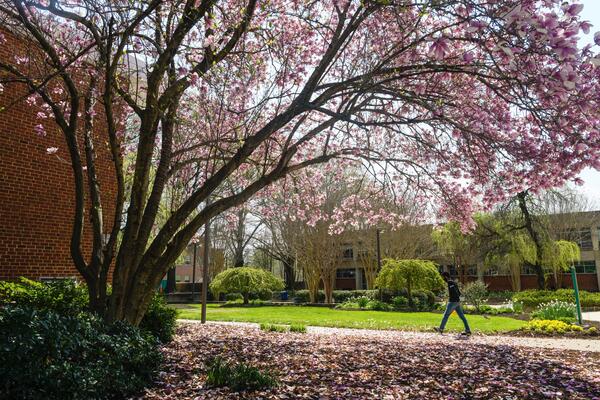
point(205, 260)
point(378, 231)
point(194, 271)
point(576, 290)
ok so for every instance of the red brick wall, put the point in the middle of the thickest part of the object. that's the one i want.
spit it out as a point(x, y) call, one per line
point(36, 189)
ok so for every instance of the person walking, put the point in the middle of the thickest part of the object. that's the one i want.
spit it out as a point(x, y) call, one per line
point(453, 304)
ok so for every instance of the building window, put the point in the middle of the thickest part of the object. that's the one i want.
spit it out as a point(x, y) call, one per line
point(347, 273)
point(492, 270)
point(348, 253)
point(585, 267)
point(583, 238)
point(528, 269)
point(186, 278)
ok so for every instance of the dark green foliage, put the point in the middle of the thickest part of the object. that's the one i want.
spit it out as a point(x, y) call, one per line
point(63, 296)
point(424, 300)
point(399, 302)
point(533, 298)
point(233, 296)
point(377, 305)
point(48, 355)
point(238, 377)
point(160, 319)
point(264, 295)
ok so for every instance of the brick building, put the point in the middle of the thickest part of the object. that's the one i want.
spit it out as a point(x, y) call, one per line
point(36, 188)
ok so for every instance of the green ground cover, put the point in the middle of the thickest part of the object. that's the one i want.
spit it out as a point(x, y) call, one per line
point(323, 316)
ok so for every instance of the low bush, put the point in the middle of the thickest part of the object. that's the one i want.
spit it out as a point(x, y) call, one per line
point(298, 328)
point(238, 377)
point(49, 355)
point(233, 296)
point(550, 327)
point(423, 300)
point(556, 310)
point(263, 295)
point(339, 296)
point(377, 305)
point(160, 319)
point(66, 296)
point(273, 328)
point(500, 295)
point(475, 293)
point(533, 298)
point(399, 302)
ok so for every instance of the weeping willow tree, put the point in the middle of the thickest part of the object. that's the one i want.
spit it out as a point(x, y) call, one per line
point(455, 244)
point(510, 252)
point(558, 256)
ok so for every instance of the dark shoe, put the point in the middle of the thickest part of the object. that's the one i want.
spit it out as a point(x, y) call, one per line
point(466, 334)
point(438, 330)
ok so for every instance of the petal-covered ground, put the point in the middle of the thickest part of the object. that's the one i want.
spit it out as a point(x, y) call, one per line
point(385, 366)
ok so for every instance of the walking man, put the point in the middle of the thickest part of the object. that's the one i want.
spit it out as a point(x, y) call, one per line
point(453, 304)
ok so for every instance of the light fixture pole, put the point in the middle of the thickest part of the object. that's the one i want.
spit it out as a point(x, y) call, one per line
point(205, 260)
point(194, 271)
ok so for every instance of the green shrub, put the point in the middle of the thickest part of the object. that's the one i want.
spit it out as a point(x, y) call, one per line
point(412, 275)
point(64, 296)
point(273, 328)
point(48, 355)
point(160, 319)
point(550, 327)
point(298, 328)
point(362, 301)
point(233, 296)
point(238, 377)
point(475, 294)
point(377, 305)
point(556, 310)
point(263, 295)
point(399, 302)
point(502, 295)
point(533, 298)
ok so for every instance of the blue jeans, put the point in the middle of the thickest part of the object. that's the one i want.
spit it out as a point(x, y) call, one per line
point(454, 305)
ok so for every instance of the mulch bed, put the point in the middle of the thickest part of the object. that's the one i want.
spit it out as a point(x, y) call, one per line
point(322, 366)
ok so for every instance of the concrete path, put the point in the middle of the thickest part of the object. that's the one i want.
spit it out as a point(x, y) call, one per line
point(593, 316)
point(589, 345)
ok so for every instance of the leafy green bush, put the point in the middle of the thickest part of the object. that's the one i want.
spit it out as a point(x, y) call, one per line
point(475, 294)
point(339, 296)
point(557, 311)
point(233, 296)
point(64, 296)
point(501, 295)
point(377, 305)
point(273, 328)
point(550, 327)
point(245, 280)
point(160, 319)
point(263, 295)
point(238, 377)
point(49, 355)
point(533, 298)
point(298, 328)
point(362, 301)
point(399, 302)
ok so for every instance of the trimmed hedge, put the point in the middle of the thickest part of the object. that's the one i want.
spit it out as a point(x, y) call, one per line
point(160, 319)
point(50, 355)
point(533, 298)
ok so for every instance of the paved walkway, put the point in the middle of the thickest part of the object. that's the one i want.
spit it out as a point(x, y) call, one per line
point(591, 316)
point(589, 345)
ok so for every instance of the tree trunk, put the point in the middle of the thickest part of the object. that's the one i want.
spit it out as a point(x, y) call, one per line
point(539, 271)
point(246, 298)
point(289, 273)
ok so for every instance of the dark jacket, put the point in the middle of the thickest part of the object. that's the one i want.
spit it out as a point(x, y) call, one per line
point(453, 291)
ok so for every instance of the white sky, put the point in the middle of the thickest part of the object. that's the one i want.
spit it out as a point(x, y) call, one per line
point(591, 12)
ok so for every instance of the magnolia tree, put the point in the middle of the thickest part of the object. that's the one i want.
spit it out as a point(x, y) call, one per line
point(465, 100)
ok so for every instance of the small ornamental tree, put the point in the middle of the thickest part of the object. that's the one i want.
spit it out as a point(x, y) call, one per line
point(245, 280)
point(558, 256)
point(410, 275)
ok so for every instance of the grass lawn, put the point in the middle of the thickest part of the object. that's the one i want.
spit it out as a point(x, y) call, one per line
point(323, 316)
